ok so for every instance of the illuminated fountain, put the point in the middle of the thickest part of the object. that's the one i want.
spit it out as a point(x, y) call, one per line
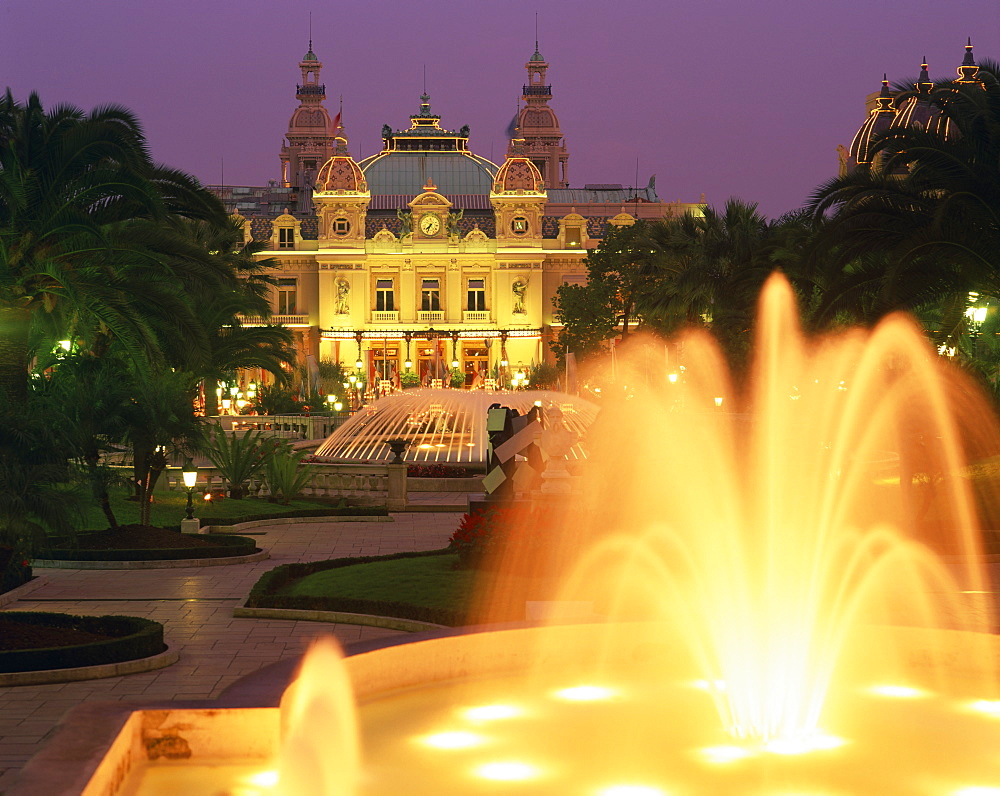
point(442, 425)
point(789, 598)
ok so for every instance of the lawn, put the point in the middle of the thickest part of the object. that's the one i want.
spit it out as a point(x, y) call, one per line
point(427, 581)
point(169, 509)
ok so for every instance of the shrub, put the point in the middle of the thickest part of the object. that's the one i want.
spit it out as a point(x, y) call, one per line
point(238, 458)
point(283, 475)
point(479, 533)
point(15, 568)
point(409, 379)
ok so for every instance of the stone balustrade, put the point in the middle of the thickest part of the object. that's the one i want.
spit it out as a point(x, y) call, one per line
point(365, 484)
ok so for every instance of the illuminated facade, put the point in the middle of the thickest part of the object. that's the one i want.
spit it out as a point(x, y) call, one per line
point(426, 252)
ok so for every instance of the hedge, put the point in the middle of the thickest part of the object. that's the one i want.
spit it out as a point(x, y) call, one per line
point(226, 546)
point(262, 595)
point(137, 638)
point(343, 511)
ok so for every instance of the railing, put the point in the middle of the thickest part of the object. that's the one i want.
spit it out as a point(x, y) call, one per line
point(369, 484)
point(311, 88)
point(379, 316)
point(476, 316)
point(429, 316)
point(536, 90)
point(318, 426)
point(275, 320)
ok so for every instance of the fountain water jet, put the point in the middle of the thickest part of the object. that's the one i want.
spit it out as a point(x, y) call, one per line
point(807, 569)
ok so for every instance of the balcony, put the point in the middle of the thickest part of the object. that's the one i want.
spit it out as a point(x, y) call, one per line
point(430, 316)
point(476, 316)
point(537, 91)
point(383, 316)
point(275, 320)
point(311, 88)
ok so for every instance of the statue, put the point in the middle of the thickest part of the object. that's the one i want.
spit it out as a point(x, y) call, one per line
point(519, 289)
point(386, 131)
point(843, 155)
point(343, 297)
point(464, 131)
point(405, 216)
point(453, 219)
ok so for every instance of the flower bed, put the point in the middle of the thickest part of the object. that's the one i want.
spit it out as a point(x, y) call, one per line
point(15, 569)
point(71, 641)
point(147, 544)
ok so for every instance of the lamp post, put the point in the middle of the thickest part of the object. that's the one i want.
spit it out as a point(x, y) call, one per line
point(189, 474)
point(976, 316)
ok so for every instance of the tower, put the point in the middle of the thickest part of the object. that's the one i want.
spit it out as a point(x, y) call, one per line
point(310, 140)
point(539, 127)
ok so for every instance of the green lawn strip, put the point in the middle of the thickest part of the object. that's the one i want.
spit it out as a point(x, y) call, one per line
point(429, 581)
point(169, 509)
point(424, 586)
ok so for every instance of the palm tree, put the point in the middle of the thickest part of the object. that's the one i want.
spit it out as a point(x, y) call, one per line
point(74, 188)
point(922, 222)
point(711, 268)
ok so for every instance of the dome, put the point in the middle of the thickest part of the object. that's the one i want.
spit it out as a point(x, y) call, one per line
point(341, 173)
point(519, 174)
point(444, 425)
point(310, 56)
point(878, 121)
point(407, 172)
point(311, 117)
point(917, 111)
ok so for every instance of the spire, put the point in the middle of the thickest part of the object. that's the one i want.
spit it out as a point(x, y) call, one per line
point(968, 70)
point(924, 84)
point(884, 96)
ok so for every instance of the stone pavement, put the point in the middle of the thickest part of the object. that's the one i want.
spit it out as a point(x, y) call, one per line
point(195, 606)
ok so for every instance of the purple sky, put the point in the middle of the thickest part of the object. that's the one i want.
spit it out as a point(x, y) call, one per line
point(717, 96)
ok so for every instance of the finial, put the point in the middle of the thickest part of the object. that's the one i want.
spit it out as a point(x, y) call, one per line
point(969, 60)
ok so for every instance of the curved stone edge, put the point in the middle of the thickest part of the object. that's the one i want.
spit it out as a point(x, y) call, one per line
point(153, 564)
point(21, 591)
point(292, 521)
point(371, 620)
point(97, 672)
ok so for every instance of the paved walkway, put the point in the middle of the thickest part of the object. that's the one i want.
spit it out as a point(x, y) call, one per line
point(196, 606)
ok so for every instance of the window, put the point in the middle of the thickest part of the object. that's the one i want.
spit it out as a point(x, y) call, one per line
point(519, 225)
point(286, 237)
point(477, 295)
point(430, 295)
point(341, 226)
point(287, 289)
point(384, 301)
point(573, 237)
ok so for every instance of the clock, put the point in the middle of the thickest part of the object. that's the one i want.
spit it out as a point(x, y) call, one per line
point(430, 224)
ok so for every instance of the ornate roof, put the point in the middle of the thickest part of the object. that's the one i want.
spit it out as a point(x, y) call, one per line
point(341, 173)
point(518, 174)
point(878, 121)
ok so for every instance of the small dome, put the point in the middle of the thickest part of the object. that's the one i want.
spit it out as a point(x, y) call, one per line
point(310, 56)
point(341, 173)
point(537, 57)
point(878, 121)
point(518, 174)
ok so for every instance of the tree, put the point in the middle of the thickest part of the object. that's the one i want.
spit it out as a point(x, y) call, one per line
point(921, 223)
point(72, 186)
point(586, 313)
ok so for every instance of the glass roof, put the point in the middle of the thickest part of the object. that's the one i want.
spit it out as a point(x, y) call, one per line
point(408, 173)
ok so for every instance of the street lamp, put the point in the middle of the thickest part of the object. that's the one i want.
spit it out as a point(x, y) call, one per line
point(189, 473)
point(976, 316)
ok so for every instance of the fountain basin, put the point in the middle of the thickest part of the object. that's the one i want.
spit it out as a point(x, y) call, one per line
point(887, 729)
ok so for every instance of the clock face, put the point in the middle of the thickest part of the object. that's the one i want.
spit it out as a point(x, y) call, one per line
point(430, 224)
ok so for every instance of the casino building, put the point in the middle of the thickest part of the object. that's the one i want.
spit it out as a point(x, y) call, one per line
point(425, 252)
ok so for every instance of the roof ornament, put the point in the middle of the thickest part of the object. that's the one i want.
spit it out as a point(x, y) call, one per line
point(968, 70)
point(884, 96)
point(924, 83)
